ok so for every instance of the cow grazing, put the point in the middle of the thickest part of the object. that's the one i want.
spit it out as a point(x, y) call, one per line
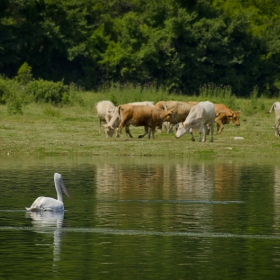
point(180, 110)
point(275, 106)
point(115, 120)
point(146, 116)
point(224, 115)
point(105, 111)
point(200, 116)
point(159, 105)
point(277, 123)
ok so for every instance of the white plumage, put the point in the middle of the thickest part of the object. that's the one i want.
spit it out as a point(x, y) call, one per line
point(48, 203)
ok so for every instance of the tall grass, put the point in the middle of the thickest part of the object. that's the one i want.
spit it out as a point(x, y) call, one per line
point(218, 94)
point(126, 93)
point(17, 95)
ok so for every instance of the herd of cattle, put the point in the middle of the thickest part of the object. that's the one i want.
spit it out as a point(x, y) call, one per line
point(186, 116)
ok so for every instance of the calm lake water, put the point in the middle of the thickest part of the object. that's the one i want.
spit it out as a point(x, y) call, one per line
point(141, 218)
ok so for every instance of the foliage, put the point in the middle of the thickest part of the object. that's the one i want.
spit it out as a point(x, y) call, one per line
point(173, 44)
point(47, 91)
point(24, 74)
point(14, 105)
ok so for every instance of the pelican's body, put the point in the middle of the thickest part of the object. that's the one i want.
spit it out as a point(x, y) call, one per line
point(50, 204)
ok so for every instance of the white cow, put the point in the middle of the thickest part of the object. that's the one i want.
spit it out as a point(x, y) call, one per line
point(116, 120)
point(105, 110)
point(277, 123)
point(275, 106)
point(200, 116)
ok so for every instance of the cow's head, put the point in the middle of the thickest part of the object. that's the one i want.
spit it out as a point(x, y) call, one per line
point(109, 130)
point(229, 116)
point(182, 129)
point(168, 116)
point(235, 117)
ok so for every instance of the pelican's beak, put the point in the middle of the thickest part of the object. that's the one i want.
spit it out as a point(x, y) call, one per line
point(64, 188)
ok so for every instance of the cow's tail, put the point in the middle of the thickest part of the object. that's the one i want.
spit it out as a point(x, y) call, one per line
point(271, 109)
point(119, 112)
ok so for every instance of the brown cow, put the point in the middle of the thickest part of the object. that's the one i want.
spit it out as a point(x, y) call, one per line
point(115, 120)
point(147, 116)
point(224, 115)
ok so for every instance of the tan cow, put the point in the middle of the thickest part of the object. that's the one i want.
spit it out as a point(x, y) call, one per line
point(146, 116)
point(159, 105)
point(180, 110)
point(105, 110)
point(224, 115)
point(115, 120)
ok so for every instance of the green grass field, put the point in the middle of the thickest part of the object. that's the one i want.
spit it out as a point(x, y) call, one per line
point(43, 130)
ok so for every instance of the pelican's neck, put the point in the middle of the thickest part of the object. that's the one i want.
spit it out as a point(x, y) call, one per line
point(58, 190)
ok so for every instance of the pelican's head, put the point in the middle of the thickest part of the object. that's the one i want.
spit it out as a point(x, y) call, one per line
point(58, 178)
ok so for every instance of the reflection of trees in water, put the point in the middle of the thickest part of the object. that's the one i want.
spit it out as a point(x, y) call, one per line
point(45, 220)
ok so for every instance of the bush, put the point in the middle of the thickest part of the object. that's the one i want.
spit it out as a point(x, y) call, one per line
point(48, 92)
point(14, 106)
point(4, 91)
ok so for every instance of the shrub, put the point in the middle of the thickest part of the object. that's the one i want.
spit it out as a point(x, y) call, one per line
point(14, 106)
point(4, 91)
point(48, 92)
point(24, 74)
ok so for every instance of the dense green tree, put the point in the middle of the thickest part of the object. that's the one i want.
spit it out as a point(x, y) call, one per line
point(177, 44)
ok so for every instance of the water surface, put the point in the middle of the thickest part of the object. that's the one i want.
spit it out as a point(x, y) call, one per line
point(141, 218)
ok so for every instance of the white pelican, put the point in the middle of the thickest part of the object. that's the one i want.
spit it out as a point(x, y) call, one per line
point(48, 203)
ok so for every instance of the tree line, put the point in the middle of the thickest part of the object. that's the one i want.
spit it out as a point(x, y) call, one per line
point(176, 44)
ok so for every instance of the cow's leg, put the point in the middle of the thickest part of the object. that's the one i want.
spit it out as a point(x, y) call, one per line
point(146, 128)
point(152, 129)
point(127, 131)
point(168, 127)
point(212, 131)
point(99, 125)
point(191, 133)
point(204, 132)
point(220, 126)
point(276, 130)
point(119, 130)
point(200, 133)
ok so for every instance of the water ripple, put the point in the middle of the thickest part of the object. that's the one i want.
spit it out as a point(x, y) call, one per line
point(178, 201)
point(142, 232)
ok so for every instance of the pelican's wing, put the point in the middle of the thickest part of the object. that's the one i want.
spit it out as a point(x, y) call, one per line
point(46, 204)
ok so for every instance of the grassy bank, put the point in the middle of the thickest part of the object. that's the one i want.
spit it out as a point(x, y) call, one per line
point(43, 130)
